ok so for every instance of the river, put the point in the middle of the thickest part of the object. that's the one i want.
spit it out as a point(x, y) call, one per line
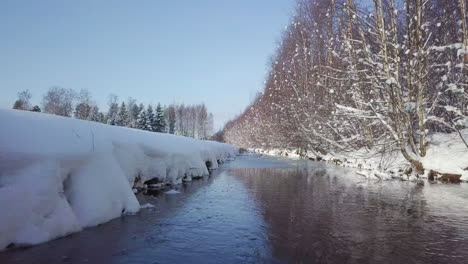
point(260, 209)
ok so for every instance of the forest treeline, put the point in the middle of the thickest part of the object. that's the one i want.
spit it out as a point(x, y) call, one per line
point(348, 75)
point(179, 119)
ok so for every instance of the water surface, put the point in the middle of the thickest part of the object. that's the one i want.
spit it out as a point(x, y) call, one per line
point(267, 210)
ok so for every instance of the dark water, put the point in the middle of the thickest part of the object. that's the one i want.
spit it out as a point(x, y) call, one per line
point(265, 210)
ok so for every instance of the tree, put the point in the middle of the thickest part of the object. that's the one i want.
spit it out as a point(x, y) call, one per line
point(143, 122)
point(202, 122)
point(171, 119)
point(346, 79)
point(160, 120)
point(95, 115)
point(113, 110)
point(133, 111)
point(209, 126)
point(151, 119)
point(36, 108)
point(123, 118)
point(59, 101)
point(82, 111)
point(181, 127)
point(23, 101)
point(83, 108)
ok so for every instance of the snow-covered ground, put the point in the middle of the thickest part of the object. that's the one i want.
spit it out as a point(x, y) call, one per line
point(446, 154)
point(59, 175)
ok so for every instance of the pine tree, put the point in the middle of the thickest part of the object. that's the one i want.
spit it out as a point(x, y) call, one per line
point(94, 114)
point(151, 119)
point(160, 121)
point(101, 118)
point(122, 116)
point(142, 120)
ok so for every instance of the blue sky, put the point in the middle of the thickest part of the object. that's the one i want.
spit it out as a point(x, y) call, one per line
point(189, 51)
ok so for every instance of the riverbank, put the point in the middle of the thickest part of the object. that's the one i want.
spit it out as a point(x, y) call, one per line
point(59, 175)
point(446, 160)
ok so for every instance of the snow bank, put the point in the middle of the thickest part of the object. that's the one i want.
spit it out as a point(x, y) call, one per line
point(446, 154)
point(59, 175)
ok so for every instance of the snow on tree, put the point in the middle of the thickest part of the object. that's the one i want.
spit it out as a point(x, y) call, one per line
point(123, 118)
point(142, 121)
point(345, 78)
point(113, 111)
point(160, 120)
point(95, 115)
point(186, 120)
point(133, 110)
point(151, 119)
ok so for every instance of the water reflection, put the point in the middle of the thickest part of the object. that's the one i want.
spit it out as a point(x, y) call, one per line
point(319, 214)
point(265, 210)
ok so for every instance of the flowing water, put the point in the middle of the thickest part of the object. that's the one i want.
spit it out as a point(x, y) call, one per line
point(267, 210)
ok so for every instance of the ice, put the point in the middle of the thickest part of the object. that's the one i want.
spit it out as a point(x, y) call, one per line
point(172, 192)
point(146, 205)
point(59, 175)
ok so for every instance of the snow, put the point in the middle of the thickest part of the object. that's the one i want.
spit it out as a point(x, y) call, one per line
point(146, 206)
point(446, 154)
point(59, 175)
point(454, 46)
point(172, 192)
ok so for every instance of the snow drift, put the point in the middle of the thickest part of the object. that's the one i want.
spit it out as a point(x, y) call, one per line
point(59, 175)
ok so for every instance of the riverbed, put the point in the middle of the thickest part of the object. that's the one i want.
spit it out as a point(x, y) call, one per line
point(259, 209)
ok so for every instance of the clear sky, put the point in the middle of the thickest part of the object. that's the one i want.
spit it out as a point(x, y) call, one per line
point(188, 51)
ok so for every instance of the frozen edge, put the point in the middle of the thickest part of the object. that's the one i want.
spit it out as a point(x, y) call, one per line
point(446, 155)
point(59, 175)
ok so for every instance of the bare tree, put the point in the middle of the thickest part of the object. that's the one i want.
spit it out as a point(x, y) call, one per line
point(345, 78)
point(171, 119)
point(23, 101)
point(113, 111)
point(59, 101)
point(84, 105)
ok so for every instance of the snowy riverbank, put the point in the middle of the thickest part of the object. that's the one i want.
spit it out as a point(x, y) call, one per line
point(59, 175)
point(446, 160)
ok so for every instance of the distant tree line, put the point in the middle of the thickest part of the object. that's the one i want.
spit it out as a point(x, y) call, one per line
point(179, 119)
point(379, 75)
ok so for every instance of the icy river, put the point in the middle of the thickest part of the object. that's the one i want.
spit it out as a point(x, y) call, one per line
point(268, 210)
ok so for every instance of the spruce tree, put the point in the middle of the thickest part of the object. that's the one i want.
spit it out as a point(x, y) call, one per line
point(150, 124)
point(113, 110)
point(122, 116)
point(160, 121)
point(142, 120)
point(94, 114)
